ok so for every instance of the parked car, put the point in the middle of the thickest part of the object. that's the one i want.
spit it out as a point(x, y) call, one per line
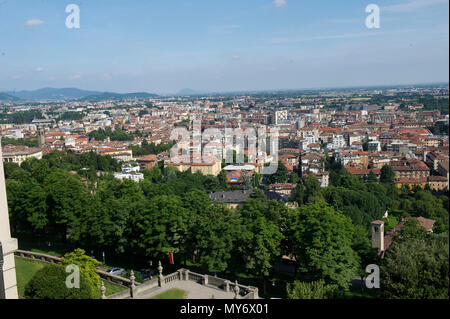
point(146, 274)
point(116, 271)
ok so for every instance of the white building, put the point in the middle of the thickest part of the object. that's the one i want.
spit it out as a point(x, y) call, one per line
point(137, 177)
point(337, 143)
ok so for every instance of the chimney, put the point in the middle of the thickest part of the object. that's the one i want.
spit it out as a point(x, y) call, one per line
point(378, 235)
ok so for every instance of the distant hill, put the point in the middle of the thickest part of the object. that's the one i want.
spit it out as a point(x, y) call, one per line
point(53, 94)
point(8, 98)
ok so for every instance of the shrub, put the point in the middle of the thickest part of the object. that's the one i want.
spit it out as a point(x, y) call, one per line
point(311, 290)
point(50, 283)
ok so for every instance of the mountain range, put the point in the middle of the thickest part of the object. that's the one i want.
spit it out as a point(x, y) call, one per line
point(53, 94)
point(8, 98)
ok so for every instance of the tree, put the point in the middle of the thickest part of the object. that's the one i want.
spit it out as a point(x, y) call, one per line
point(67, 200)
point(321, 240)
point(312, 189)
point(410, 230)
point(260, 245)
point(160, 226)
point(417, 269)
point(372, 178)
point(299, 194)
point(387, 175)
point(215, 235)
point(222, 178)
point(88, 268)
point(50, 283)
point(280, 176)
point(390, 222)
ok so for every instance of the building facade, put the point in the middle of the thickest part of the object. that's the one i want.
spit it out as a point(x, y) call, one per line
point(8, 281)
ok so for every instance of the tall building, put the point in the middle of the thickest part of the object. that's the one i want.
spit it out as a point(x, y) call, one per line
point(8, 283)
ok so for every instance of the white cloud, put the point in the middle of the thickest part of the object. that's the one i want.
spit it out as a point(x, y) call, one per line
point(39, 69)
point(16, 77)
point(279, 3)
point(235, 57)
point(413, 5)
point(34, 23)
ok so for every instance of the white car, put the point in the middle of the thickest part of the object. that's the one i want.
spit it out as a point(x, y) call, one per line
point(116, 271)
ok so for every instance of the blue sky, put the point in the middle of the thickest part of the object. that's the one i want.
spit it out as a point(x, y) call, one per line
point(163, 46)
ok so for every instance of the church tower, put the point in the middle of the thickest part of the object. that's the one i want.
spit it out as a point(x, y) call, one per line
point(41, 137)
point(8, 282)
point(378, 235)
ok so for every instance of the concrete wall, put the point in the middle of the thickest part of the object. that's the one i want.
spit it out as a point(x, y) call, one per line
point(9, 244)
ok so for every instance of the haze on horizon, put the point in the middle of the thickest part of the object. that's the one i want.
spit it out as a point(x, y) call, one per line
point(218, 46)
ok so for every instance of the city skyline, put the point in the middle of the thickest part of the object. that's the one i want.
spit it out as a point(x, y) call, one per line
point(222, 46)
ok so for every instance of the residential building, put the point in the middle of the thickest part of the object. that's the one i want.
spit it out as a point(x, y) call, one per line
point(18, 153)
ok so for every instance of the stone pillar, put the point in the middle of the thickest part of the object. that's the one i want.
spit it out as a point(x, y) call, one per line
point(205, 280)
point(236, 290)
point(133, 284)
point(186, 275)
point(256, 293)
point(180, 274)
point(103, 290)
point(161, 282)
point(227, 285)
point(8, 244)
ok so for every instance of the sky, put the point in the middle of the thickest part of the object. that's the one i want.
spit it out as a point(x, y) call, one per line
point(163, 46)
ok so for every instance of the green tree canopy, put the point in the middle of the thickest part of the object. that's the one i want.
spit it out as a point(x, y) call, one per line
point(321, 240)
point(417, 269)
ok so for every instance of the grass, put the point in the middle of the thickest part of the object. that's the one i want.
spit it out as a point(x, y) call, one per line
point(59, 251)
point(26, 269)
point(172, 294)
point(111, 288)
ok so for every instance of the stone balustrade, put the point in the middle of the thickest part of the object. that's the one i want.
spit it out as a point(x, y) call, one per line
point(172, 277)
point(56, 260)
point(135, 289)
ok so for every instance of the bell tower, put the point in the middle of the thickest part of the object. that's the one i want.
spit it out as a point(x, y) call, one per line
point(378, 235)
point(41, 136)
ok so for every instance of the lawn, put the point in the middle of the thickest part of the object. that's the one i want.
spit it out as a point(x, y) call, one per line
point(111, 288)
point(26, 268)
point(171, 294)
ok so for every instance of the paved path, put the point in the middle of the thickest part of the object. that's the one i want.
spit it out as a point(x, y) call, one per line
point(195, 291)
